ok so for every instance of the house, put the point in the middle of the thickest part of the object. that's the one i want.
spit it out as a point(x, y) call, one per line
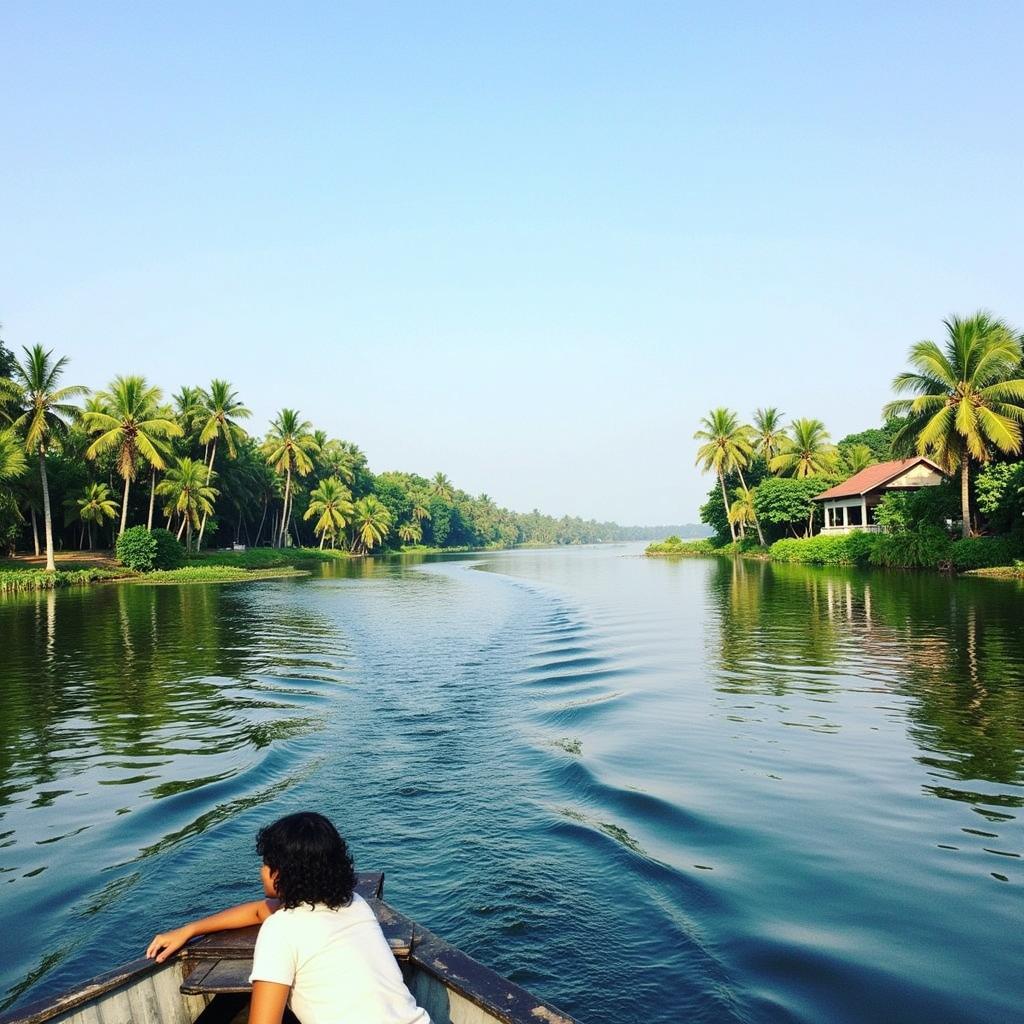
point(851, 505)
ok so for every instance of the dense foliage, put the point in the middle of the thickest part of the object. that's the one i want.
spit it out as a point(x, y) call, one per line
point(966, 414)
point(127, 459)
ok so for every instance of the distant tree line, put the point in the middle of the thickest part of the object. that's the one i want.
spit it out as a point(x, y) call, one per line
point(77, 468)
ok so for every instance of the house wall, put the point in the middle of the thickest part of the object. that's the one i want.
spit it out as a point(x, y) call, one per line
point(917, 476)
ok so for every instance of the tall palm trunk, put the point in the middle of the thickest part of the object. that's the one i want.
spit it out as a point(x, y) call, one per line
point(181, 529)
point(284, 510)
point(725, 502)
point(757, 522)
point(152, 497)
point(263, 518)
point(209, 474)
point(965, 494)
point(124, 505)
point(35, 529)
point(47, 518)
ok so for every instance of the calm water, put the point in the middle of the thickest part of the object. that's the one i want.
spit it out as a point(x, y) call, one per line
point(692, 791)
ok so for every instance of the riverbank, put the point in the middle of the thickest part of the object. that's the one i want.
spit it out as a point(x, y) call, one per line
point(77, 569)
point(928, 548)
point(214, 574)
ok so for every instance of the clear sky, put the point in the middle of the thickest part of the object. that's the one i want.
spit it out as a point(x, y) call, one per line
point(526, 244)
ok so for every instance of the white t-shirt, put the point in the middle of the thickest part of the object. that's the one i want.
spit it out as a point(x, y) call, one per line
point(339, 965)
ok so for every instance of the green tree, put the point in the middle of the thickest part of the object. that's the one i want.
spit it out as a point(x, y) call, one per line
point(43, 414)
point(410, 533)
point(94, 505)
point(12, 456)
point(727, 448)
point(769, 432)
point(371, 524)
point(806, 451)
point(130, 424)
point(331, 501)
point(742, 512)
point(999, 489)
point(289, 448)
point(222, 410)
point(785, 503)
point(441, 486)
point(969, 398)
point(854, 457)
point(188, 494)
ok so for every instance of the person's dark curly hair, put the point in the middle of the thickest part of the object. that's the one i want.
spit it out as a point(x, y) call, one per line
point(309, 861)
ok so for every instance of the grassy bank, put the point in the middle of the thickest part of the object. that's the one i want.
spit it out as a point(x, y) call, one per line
point(270, 558)
point(683, 548)
point(926, 548)
point(21, 580)
point(216, 574)
point(1011, 572)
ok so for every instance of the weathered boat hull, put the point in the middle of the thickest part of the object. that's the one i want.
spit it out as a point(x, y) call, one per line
point(207, 983)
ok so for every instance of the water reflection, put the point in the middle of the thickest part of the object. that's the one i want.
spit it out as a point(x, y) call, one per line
point(952, 647)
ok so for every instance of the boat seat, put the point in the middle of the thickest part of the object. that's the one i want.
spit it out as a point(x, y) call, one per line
point(223, 961)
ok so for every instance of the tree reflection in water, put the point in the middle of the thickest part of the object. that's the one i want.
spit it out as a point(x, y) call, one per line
point(950, 645)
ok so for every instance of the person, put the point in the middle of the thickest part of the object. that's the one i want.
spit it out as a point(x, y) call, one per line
point(319, 950)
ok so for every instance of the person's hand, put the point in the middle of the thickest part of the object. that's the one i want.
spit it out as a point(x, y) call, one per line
point(167, 943)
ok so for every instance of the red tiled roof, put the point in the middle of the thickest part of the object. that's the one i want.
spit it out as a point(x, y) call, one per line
point(872, 478)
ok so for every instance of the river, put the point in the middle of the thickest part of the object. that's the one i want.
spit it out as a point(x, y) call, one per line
point(654, 790)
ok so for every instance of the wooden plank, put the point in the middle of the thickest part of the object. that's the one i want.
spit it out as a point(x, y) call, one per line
point(222, 976)
point(396, 927)
point(46, 1009)
point(486, 989)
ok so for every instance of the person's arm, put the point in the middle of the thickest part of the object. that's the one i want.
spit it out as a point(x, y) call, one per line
point(167, 943)
point(268, 1002)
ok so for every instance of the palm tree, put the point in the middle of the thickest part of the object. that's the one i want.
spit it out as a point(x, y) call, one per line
point(44, 412)
point(441, 486)
point(95, 504)
point(372, 522)
point(410, 533)
point(969, 398)
point(855, 457)
point(769, 432)
point(289, 448)
point(335, 458)
point(12, 456)
point(131, 423)
point(419, 509)
point(186, 486)
point(222, 409)
point(189, 409)
point(806, 451)
point(332, 502)
point(741, 511)
point(727, 449)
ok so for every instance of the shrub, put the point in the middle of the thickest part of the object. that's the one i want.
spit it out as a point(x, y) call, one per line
point(984, 552)
point(169, 553)
point(847, 549)
point(676, 546)
point(926, 548)
point(136, 549)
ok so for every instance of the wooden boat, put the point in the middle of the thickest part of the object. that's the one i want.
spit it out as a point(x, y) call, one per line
point(207, 982)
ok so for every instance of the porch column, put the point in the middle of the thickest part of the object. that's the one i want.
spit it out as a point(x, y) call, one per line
point(864, 512)
point(846, 517)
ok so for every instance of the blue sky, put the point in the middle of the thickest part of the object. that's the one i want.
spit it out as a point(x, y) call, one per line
point(527, 244)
